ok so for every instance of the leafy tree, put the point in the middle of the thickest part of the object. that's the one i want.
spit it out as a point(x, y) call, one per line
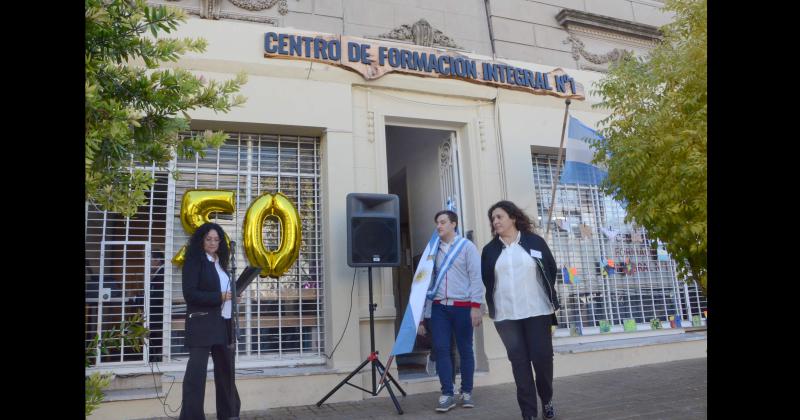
point(656, 140)
point(135, 108)
point(130, 333)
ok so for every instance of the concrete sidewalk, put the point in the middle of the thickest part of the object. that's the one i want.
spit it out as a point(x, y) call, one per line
point(674, 390)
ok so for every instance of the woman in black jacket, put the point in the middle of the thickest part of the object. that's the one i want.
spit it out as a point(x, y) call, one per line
point(208, 323)
point(519, 273)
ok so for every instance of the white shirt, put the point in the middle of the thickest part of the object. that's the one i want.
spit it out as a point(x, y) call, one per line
point(518, 292)
point(224, 286)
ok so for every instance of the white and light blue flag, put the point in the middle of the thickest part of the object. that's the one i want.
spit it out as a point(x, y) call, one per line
point(407, 335)
point(578, 167)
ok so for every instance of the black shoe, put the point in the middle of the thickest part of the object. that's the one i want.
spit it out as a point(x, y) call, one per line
point(548, 411)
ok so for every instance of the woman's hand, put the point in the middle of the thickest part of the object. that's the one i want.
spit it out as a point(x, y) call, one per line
point(226, 296)
point(421, 330)
point(477, 317)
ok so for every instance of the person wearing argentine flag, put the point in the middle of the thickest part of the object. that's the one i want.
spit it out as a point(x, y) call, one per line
point(453, 305)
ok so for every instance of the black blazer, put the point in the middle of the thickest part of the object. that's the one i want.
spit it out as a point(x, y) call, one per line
point(204, 323)
point(547, 268)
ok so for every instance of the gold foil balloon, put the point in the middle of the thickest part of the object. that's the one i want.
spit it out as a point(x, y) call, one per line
point(273, 263)
point(196, 207)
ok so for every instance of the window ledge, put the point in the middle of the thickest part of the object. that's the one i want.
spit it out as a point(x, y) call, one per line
point(143, 393)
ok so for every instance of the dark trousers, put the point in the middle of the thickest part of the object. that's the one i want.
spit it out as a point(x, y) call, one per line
point(529, 341)
point(194, 382)
point(445, 320)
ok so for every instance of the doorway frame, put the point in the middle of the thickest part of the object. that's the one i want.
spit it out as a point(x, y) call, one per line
point(467, 138)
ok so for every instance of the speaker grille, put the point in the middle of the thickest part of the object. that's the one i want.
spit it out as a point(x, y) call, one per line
point(374, 240)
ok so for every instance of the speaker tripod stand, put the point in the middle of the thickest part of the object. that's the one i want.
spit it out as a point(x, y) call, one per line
point(377, 366)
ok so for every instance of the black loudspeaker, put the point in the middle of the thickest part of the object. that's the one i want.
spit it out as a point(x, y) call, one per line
point(373, 230)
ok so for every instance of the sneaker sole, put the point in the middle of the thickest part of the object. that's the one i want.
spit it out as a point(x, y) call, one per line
point(443, 410)
point(468, 405)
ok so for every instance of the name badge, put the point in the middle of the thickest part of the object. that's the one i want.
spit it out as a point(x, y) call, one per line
point(536, 254)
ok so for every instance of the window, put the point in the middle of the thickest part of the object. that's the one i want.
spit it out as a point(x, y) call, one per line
point(121, 279)
point(620, 275)
point(280, 319)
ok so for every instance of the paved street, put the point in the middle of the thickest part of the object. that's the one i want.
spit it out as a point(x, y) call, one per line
point(674, 390)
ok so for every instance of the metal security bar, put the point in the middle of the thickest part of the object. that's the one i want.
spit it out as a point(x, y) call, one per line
point(121, 277)
point(618, 275)
point(280, 319)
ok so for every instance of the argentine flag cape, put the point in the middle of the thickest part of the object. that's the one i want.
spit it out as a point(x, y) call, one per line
point(421, 289)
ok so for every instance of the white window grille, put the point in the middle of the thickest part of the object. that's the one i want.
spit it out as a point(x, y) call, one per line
point(588, 229)
point(120, 281)
point(280, 319)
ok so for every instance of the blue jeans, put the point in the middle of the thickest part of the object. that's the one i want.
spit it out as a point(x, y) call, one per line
point(444, 321)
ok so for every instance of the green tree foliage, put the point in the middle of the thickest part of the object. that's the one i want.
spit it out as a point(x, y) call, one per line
point(135, 108)
point(131, 333)
point(656, 140)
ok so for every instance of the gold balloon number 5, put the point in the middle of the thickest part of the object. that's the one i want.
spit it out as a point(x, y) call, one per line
point(197, 205)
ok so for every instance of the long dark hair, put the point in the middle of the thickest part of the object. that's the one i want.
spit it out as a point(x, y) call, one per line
point(195, 250)
point(521, 220)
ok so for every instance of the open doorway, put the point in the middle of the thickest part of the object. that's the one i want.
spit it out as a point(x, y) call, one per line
point(422, 166)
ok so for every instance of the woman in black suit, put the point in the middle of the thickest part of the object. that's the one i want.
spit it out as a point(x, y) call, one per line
point(208, 323)
point(519, 273)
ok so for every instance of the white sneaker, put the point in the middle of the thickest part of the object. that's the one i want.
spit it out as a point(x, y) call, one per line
point(446, 402)
point(466, 400)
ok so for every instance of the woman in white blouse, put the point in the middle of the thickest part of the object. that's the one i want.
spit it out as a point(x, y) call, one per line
point(206, 288)
point(519, 273)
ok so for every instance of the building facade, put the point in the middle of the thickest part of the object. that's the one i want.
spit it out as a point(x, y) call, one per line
point(320, 123)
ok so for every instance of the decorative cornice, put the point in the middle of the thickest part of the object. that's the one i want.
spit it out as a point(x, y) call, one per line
point(567, 17)
point(421, 33)
point(250, 18)
point(578, 51)
point(611, 36)
point(199, 11)
point(258, 5)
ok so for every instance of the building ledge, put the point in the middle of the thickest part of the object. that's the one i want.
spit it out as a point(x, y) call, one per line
point(167, 378)
point(628, 342)
point(152, 385)
point(132, 394)
point(567, 17)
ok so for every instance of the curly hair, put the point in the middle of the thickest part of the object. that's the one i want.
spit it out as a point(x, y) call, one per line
point(521, 220)
point(194, 249)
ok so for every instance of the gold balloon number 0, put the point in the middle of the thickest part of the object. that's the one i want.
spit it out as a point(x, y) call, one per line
point(197, 206)
point(272, 263)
